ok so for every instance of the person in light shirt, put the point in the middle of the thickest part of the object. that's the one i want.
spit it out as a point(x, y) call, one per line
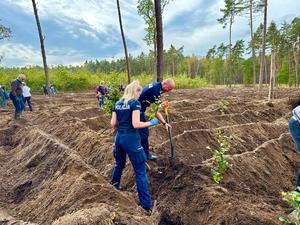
point(294, 128)
point(27, 96)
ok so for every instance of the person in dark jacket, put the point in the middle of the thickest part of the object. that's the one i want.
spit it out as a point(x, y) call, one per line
point(102, 93)
point(3, 97)
point(149, 95)
point(16, 95)
point(45, 91)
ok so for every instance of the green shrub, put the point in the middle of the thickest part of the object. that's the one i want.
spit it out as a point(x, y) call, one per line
point(80, 79)
point(109, 103)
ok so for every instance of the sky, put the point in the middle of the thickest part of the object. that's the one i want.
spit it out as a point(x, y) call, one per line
point(81, 30)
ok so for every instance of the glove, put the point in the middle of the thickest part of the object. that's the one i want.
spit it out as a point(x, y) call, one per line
point(153, 121)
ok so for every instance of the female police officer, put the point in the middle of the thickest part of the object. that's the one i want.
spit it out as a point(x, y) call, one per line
point(126, 118)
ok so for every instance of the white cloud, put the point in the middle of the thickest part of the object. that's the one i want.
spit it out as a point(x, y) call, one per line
point(27, 55)
point(89, 33)
point(201, 38)
point(99, 16)
point(99, 21)
point(176, 7)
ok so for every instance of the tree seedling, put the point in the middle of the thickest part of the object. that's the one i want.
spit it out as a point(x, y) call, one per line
point(293, 198)
point(221, 165)
point(154, 108)
point(109, 103)
point(223, 105)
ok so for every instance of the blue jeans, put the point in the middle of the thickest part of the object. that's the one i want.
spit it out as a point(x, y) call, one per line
point(144, 134)
point(127, 142)
point(101, 100)
point(18, 102)
point(294, 128)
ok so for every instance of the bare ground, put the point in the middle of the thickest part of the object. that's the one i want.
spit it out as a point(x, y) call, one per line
point(56, 162)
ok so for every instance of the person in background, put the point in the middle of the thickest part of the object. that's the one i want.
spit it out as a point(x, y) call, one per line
point(294, 128)
point(101, 92)
point(16, 95)
point(121, 88)
point(45, 91)
point(126, 119)
point(27, 96)
point(3, 97)
point(149, 95)
point(52, 90)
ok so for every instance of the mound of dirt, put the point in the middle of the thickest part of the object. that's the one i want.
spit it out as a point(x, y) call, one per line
point(56, 162)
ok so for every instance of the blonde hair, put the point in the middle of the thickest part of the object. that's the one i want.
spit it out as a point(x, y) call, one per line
point(131, 90)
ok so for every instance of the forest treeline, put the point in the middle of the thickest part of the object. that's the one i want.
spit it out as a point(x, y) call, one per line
point(241, 62)
point(213, 67)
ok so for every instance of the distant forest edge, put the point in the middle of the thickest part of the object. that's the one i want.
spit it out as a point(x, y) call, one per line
point(216, 68)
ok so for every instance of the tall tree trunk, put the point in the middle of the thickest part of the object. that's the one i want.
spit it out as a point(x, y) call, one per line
point(262, 59)
point(296, 70)
point(229, 56)
point(230, 41)
point(124, 42)
point(253, 49)
point(42, 45)
point(296, 56)
point(173, 67)
point(155, 56)
point(290, 65)
point(159, 38)
point(197, 68)
point(266, 70)
point(272, 76)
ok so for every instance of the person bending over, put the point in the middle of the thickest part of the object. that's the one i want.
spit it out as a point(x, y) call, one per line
point(148, 96)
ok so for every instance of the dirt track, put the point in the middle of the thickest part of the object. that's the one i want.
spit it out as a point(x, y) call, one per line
point(55, 163)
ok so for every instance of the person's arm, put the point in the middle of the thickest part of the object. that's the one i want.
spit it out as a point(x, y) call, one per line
point(14, 88)
point(159, 116)
point(114, 121)
point(136, 122)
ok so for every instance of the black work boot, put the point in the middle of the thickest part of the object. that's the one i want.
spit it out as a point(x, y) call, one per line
point(117, 186)
point(151, 156)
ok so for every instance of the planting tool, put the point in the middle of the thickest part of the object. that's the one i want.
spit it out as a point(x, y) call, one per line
point(166, 107)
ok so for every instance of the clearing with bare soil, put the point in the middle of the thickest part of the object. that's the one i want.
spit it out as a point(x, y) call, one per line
point(56, 162)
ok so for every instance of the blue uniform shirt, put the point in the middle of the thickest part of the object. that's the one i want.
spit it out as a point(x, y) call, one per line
point(124, 112)
point(149, 94)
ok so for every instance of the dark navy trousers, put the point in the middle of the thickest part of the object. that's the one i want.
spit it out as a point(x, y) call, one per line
point(294, 127)
point(18, 102)
point(128, 142)
point(28, 100)
point(144, 134)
